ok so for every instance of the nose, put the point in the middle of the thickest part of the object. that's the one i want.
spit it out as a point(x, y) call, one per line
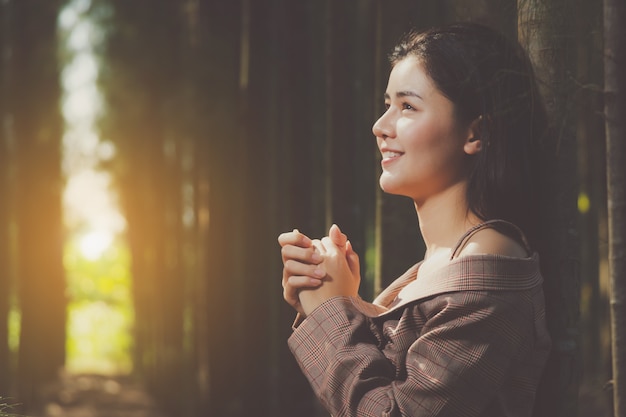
point(384, 126)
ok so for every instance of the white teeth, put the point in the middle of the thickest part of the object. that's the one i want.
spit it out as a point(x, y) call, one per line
point(390, 154)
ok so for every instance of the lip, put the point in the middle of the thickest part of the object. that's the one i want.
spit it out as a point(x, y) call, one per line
point(390, 156)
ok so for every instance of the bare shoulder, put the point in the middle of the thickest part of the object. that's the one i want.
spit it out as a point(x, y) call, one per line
point(490, 241)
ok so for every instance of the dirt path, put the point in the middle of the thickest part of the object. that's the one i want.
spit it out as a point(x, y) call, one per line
point(98, 396)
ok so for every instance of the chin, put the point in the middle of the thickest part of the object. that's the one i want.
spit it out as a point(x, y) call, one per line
point(384, 185)
point(388, 187)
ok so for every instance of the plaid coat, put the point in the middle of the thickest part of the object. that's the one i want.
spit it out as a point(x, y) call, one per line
point(467, 340)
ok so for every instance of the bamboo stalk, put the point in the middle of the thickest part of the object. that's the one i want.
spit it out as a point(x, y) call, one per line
point(615, 108)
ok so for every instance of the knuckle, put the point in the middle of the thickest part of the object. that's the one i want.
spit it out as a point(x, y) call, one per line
point(289, 264)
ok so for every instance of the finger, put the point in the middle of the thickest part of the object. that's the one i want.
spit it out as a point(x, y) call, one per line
point(349, 248)
point(302, 282)
point(294, 238)
point(319, 246)
point(332, 247)
point(292, 287)
point(308, 255)
point(295, 268)
point(337, 236)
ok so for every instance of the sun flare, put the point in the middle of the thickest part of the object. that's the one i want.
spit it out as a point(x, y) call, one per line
point(93, 244)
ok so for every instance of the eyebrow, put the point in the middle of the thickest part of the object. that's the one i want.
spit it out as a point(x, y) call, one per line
point(406, 93)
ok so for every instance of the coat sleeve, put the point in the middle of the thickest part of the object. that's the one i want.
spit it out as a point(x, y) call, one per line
point(459, 348)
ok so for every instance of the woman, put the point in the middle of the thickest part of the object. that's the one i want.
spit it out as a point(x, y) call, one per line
point(461, 333)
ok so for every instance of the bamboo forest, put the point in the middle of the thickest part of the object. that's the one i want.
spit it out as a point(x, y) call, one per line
point(152, 151)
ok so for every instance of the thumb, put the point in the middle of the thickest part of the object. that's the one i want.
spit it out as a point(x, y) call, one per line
point(337, 237)
point(353, 259)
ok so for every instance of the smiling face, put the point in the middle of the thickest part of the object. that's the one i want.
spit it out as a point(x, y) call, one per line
point(424, 149)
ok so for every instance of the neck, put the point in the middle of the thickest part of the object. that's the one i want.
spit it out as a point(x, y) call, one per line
point(444, 218)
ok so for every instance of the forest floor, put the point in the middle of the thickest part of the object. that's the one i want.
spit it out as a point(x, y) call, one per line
point(98, 396)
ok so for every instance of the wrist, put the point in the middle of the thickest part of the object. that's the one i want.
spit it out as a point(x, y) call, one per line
point(309, 301)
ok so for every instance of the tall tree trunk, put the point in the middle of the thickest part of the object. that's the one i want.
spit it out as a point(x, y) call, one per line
point(195, 57)
point(545, 30)
point(304, 189)
point(258, 100)
point(223, 152)
point(499, 14)
point(38, 128)
point(615, 109)
point(263, 64)
point(6, 191)
point(594, 309)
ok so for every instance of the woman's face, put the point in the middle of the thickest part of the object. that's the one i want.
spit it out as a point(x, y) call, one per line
point(421, 143)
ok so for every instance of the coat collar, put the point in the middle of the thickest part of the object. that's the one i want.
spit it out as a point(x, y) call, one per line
point(467, 273)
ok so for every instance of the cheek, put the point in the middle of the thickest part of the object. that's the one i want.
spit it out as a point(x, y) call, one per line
point(411, 131)
point(418, 135)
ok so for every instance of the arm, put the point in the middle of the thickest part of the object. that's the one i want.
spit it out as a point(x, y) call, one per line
point(458, 347)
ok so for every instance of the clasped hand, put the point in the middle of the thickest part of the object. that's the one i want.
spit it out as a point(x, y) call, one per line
point(315, 270)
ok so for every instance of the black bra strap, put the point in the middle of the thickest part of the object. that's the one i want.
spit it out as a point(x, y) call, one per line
point(509, 229)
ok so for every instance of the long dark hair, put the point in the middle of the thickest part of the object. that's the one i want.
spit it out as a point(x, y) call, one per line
point(489, 78)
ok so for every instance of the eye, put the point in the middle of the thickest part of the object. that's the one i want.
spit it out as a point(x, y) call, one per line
point(407, 106)
point(387, 105)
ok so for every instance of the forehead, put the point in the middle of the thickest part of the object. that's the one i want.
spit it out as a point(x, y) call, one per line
point(409, 74)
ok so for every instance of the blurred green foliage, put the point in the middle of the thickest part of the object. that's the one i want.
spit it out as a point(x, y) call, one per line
point(100, 314)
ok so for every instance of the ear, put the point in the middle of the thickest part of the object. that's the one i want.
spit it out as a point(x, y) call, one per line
point(473, 141)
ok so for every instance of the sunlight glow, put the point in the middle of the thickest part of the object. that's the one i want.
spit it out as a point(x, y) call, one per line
point(96, 259)
point(94, 244)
